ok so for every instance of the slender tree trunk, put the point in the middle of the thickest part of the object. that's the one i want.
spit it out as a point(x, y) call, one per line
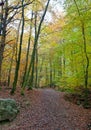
point(40, 70)
point(72, 63)
point(27, 56)
point(2, 46)
point(46, 74)
point(14, 51)
point(86, 55)
point(61, 68)
point(54, 74)
point(19, 55)
point(87, 60)
point(51, 77)
point(64, 62)
point(10, 69)
point(17, 39)
point(3, 18)
point(31, 78)
point(31, 66)
point(36, 70)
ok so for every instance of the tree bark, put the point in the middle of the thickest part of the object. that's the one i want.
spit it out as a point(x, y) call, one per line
point(19, 55)
point(35, 46)
point(3, 19)
point(27, 56)
point(85, 52)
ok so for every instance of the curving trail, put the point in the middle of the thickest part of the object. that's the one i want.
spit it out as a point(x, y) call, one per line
point(46, 109)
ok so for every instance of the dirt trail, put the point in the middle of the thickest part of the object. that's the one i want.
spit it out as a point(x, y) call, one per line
point(46, 109)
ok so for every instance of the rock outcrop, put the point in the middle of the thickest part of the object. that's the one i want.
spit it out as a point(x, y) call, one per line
point(8, 109)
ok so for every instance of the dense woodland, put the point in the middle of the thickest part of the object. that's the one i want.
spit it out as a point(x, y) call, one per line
point(37, 52)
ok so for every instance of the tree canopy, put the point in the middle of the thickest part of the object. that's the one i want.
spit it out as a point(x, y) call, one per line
point(40, 47)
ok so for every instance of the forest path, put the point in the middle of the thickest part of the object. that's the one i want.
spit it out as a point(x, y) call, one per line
point(46, 109)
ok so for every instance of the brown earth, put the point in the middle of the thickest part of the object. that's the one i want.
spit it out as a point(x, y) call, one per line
point(46, 109)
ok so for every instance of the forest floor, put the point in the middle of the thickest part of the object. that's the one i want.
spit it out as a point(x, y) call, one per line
point(46, 109)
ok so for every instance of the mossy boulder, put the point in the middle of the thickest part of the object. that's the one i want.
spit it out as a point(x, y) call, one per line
point(8, 109)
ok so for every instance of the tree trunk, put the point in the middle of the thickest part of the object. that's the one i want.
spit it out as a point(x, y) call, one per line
point(2, 46)
point(9, 75)
point(87, 61)
point(27, 56)
point(19, 55)
point(40, 70)
point(86, 55)
point(36, 70)
point(51, 80)
point(31, 66)
point(3, 25)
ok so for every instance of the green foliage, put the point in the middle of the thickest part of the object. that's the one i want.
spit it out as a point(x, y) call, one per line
point(60, 49)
